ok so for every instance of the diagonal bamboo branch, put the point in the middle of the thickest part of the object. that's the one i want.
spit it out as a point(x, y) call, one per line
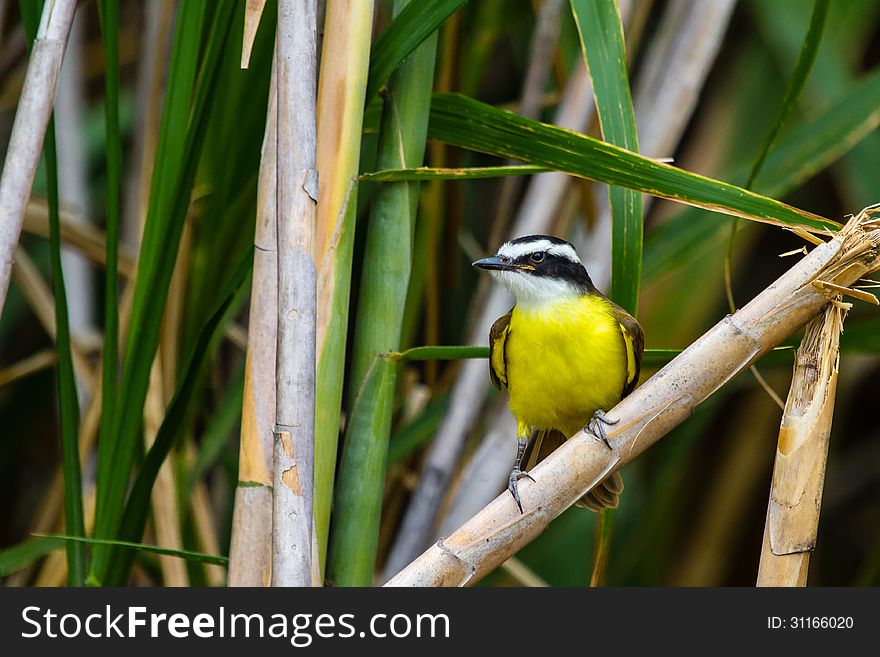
point(29, 129)
point(297, 190)
point(801, 454)
point(652, 410)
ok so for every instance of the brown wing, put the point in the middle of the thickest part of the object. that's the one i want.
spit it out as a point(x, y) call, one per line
point(497, 352)
point(634, 343)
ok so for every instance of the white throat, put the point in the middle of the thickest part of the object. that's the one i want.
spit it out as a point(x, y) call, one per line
point(532, 291)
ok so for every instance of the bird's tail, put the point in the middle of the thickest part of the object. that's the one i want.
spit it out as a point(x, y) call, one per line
point(604, 495)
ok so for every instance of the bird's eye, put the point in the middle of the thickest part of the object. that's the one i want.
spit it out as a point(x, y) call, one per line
point(538, 256)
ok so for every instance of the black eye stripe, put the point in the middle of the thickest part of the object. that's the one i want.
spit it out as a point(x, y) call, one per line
point(537, 256)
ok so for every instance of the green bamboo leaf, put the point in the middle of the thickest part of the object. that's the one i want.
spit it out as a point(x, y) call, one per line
point(441, 353)
point(601, 36)
point(381, 305)
point(14, 558)
point(470, 124)
point(108, 13)
point(404, 34)
point(172, 428)
point(189, 555)
point(440, 173)
point(180, 140)
point(77, 560)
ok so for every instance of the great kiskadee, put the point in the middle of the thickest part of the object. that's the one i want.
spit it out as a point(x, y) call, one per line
point(564, 352)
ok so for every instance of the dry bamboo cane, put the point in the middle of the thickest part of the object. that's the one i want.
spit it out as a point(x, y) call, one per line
point(801, 454)
point(650, 412)
point(297, 190)
point(250, 553)
point(29, 129)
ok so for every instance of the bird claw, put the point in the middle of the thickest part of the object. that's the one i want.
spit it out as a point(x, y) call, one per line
point(512, 485)
point(596, 428)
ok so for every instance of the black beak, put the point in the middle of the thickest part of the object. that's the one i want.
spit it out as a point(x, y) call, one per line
point(493, 262)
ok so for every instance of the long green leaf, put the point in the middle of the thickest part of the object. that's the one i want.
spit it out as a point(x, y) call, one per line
point(172, 428)
point(108, 12)
point(20, 556)
point(601, 35)
point(404, 34)
point(381, 306)
point(470, 124)
point(77, 563)
point(189, 555)
point(460, 173)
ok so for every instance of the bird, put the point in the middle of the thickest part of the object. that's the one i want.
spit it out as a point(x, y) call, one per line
point(565, 353)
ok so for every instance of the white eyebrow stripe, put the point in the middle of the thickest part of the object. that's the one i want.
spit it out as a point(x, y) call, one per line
point(514, 251)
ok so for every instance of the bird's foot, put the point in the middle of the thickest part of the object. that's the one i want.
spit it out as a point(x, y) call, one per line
point(515, 475)
point(597, 426)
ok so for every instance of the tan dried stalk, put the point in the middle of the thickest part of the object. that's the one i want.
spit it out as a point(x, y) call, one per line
point(297, 192)
point(34, 363)
point(250, 553)
point(166, 515)
point(29, 129)
point(650, 412)
point(75, 232)
point(253, 11)
point(39, 297)
point(801, 454)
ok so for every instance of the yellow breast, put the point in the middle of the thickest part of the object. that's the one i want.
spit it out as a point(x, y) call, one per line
point(565, 360)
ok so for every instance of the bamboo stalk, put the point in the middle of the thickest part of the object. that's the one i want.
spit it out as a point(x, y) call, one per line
point(801, 454)
point(652, 410)
point(384, 284)
point(297, 192)
point(29, 129)
point(250, 549)
point(341, 93)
